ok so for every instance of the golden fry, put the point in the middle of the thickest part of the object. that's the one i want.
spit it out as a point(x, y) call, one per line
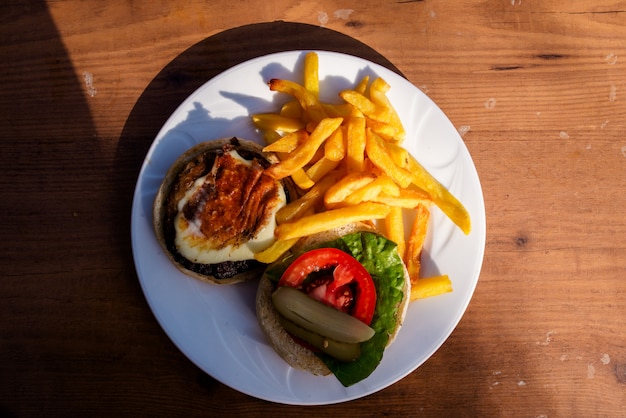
point(312, 198)
point(365, 105)
point(386, 131)
point(355, 144)
point(388, 186)
point(430, 286)
point(291, 109)
point(307, 100)
point(274, 251)
point(321, 168)
point(276, 122)
point(378, 95)
point(362, 86)
point(448, 204)
point(310, 127)
point(301, 179)
point(399, 154)
point(341, 110)
point(372, 190)
point(340, 191)
point(378, 90)
point(288, 142)
point(416, 241)
point(377, 153)
point(305, 151)
point(335, 147)
point(311, 73)
point(394, 229)
point(319, 154)
point(334, 218)
point(271, 136)
point(407, 199)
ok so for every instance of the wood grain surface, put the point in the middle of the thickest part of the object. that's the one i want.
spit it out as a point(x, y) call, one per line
point(537, 89)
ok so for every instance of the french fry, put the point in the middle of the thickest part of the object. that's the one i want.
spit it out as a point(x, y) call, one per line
point(305, 151)
point(416, 241)
point(319, 154)
point(341, 110)
point(310, 127)
point(388, 186)
point(394, 228)
point(399, 155)
point(378, 95)
point(335, 147)
point(365, 105)
point(321, 168)
point(362, 86)
point(339, 192)
point(406, 199)
point(312, 198)
point(291, 109)
point(448, 204)
point(378, 91)
point(371, 190)
point(288, 142)
point(430, 286)
point(294, 209)
point(377, 153)
point(355, 143)
point(274, 251)
point(334, 218)
point(276, 122)
point(388, 132)
point(311, 74)
point(307, 100)
point(301, 179)
point(271, 136)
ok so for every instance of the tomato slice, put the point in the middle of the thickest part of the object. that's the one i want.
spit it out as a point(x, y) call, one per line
point(335, 278)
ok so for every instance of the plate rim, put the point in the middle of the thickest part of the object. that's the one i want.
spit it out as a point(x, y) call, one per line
point(276, 56)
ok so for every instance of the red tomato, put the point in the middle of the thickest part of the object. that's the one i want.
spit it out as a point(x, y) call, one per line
point(336, 279)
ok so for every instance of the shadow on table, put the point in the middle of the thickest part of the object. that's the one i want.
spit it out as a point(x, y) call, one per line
point(46, 144)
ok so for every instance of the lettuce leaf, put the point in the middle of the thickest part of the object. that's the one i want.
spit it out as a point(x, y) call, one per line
point(380, 258)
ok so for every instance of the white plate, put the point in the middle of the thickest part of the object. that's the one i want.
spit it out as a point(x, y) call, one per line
point(215, 326)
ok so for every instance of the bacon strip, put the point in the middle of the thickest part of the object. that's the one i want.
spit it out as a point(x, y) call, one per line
point(234, 203)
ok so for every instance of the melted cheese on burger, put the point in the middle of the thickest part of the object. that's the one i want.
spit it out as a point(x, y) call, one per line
point(228, 214)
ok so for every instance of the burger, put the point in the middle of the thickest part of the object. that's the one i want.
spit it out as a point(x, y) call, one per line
point(216, 207)
point(335, 302)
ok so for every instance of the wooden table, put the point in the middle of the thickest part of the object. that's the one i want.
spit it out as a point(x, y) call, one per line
point(536, 87)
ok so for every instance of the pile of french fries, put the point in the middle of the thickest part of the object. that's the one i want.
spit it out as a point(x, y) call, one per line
point(349, 163)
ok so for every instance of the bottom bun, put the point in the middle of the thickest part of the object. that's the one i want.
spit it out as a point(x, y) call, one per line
point(292, 352)
point(296, 355)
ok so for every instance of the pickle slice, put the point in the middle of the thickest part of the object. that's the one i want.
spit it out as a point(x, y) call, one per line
point(339, 350)
point(318, 318)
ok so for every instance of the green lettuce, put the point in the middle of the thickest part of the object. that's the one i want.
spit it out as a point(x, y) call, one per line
point(380, 258)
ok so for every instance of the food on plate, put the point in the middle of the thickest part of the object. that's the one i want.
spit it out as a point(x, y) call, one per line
point(348, 160)
point(216, 208)
point(335, 301)
point(431, 286)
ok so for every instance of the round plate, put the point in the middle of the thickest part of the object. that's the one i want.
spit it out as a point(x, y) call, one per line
point(215, 326)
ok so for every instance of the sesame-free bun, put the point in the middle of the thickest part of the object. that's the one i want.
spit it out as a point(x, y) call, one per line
point(293, 353)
